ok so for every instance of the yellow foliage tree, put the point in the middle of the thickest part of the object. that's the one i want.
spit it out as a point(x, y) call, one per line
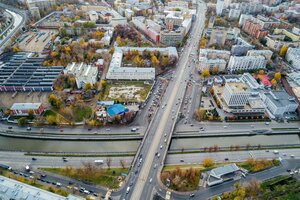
point(119, 40)
point(208, 162)
point(261, 72)
point(277, 76)
point(283, 50)
point(154, 60)
point(205, 73)
point(274, 82)
point(214, 70)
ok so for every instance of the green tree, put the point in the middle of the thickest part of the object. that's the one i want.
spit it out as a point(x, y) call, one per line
point(31, 114)
point(22, 121)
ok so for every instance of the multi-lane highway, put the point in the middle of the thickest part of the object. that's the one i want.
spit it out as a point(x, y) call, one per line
point(143, 176)
point(19, 19)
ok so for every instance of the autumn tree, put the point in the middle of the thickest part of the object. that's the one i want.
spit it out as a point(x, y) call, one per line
point(119, 40)
point(200, 114)
point(22, 121)
point(54, 101)
point(87, 86)
point(283, 51)
point(253, 188)
point(277, 76)
point(154, 60)
point(261, 72)
point(215, 70)
point(208, 162)
point(30, 114)
point(205, 73)
point(274, 82)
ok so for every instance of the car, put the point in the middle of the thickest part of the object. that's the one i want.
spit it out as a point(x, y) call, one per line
point(131, 183)
point(75, 188)
point(292, 156)
point(95, 194)
point(71, 183)
point(267, 123)
point(65, 160)
point(69, 187)
point(192, 195)
point(28, 128)
point(181, 160)
point(158, 155)
point(10, 127)
point(288, 170)
point(284, 154)
point(150, 181)
point(161, 146)
point(43, 175)
point(165, 140)
point(89, 129)
point(48, 181)
point(226, 159)
point(43, 180)
point(155, 166)
point(33, 158)
point(108, 129)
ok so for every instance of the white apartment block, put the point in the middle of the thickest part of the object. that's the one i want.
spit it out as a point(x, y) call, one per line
point(293, 57)
point(83, 73)
point(236, 94)
point(178, 4)
point(266, 53)
point(209, 64)
point(117, 72)
point(244, 63)
point(234, 14)
point(279, 102)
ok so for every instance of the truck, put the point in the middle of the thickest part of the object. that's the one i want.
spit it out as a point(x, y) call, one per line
point(99, 162)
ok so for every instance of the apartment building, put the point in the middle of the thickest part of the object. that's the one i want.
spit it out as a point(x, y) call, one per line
point(246, 63)
point(172, 38)
point(254, 29)
point(266, 53)
point(293, 57)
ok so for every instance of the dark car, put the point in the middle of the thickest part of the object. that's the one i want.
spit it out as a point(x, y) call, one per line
point(33, 158)
point(10, 127)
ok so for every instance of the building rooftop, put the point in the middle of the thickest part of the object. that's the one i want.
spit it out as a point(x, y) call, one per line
point(221, 171)
point(25, 106)
point(23, 70)
point(238, 86)
point(11, 189)
point(116, 109)
point(280, 98)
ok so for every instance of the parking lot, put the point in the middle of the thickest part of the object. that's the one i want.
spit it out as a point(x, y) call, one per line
point(36, 41)
point(7, 99)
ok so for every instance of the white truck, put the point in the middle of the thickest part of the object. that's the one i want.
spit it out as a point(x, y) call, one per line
point(168, 195)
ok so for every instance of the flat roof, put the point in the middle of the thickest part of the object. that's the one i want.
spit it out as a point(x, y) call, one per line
point(226, 169)
point(25, 106)
point(12, 189)
point(238, 86)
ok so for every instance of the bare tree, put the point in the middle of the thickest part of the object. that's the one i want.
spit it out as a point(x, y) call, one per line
point(108, 162)
point(122, 163)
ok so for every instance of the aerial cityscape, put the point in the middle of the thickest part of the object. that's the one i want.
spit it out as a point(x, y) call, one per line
point(149, 99)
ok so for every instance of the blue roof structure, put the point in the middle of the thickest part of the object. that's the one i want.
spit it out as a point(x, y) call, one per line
point(116, 109)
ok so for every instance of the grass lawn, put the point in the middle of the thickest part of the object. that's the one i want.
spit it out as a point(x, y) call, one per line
point(33, 183)
point(104, 177)
point(80, 114)
point(49, 113)
point(258, 165)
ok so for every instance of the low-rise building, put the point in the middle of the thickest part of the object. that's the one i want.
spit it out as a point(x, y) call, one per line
point(172, 38)
point(24, 72)
point(276, 42)
point(293, 57)
point(12, 189)
point(220, 174)
point(246, 63)
point(117, 72)
point(210, 58)
point(279, 102)
point(23, 109)
point(83, 73)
